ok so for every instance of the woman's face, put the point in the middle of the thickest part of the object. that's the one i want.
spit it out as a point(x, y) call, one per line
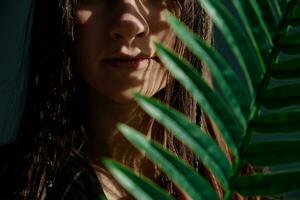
point(113, 48)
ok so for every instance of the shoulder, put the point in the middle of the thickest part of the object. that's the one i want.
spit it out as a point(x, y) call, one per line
point(76, 180)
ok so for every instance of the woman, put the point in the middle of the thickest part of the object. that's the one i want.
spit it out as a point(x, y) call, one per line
point(87, 56)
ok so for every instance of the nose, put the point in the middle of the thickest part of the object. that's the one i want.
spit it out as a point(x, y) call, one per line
point(130, 23)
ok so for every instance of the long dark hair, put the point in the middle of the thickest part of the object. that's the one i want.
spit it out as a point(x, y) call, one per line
point(52, 128)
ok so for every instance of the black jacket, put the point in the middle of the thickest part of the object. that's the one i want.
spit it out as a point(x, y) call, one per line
point(77, 180)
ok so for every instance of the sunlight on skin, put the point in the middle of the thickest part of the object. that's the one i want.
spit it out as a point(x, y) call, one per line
point(109, 29)
point(84, 15)
point(116, 83)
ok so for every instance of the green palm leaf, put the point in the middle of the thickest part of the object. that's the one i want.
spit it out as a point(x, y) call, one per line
point(205, 147)
point(269, 16)
point(212, 103)
point(270, 184)
point(272, 153)
point(138, 187)
point(270, 104)
point(224, 76)
point(294, 17)
point(183, 175)
point(287, 69)
point(252, 19)
point(277, 122)
point(238, 41)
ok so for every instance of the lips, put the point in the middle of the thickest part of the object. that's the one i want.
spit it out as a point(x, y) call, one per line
point(128, 63)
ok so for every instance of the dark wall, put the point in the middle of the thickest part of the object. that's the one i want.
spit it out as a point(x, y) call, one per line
point(15, 22)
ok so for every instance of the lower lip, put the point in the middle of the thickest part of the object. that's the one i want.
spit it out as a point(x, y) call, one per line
point(128, 64)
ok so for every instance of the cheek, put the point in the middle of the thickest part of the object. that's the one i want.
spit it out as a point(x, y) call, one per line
point(161, 30)
point(166, 37)
point(83, 16)
point(89, 41)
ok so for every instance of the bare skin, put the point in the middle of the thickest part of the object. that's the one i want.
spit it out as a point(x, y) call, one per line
point(115, 55)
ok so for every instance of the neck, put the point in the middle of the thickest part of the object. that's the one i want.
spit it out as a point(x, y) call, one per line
point(103, 115)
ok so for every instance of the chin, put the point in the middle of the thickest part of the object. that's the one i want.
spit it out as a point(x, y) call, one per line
point(122, 97)
point(127, 96)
